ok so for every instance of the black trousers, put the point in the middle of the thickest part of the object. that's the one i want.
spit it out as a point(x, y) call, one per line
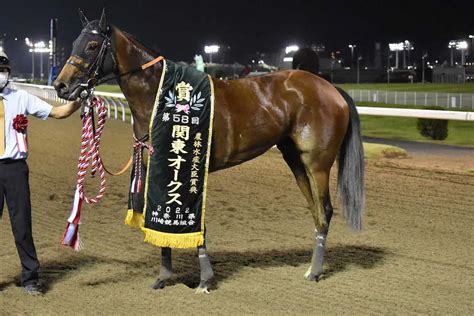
point(15, 189)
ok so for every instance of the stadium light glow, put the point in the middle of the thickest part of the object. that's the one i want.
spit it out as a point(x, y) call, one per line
point(396, 46)
point(291, 48)
point(461, 45)
point(38, 47)
point(458, 44)
point(211, 49)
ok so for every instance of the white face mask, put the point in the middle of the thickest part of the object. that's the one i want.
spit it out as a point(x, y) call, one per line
point(3, 79)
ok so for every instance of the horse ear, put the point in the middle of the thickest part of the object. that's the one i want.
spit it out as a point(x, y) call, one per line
point(103, 22)
point(83, 17)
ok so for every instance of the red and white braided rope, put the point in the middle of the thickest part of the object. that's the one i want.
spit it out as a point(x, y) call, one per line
point(90, 145)
point(90, 156)
point(138, 147)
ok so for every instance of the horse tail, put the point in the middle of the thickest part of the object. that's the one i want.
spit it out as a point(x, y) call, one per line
point(351, 168)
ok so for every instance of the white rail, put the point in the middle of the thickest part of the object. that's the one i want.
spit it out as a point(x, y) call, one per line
point(112, 100)
point(458, 101)
point(430, 114)
point(115, 100)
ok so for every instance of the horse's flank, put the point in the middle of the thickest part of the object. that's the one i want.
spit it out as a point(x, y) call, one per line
point(251, 114)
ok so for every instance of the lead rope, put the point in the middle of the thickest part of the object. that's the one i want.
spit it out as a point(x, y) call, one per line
point(138, 146)
point(89, 156)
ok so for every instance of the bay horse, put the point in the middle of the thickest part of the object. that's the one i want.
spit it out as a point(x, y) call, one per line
point(309, 121)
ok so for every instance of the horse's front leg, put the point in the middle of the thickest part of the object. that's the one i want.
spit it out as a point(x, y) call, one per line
point(166, 269)
point(206, 270)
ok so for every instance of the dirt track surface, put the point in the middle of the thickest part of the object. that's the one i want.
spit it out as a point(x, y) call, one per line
point(414, 256)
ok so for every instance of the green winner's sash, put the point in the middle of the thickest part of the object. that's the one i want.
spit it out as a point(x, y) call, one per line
point(180, 135)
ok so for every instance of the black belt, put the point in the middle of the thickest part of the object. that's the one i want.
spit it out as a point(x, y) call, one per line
point(10, 160)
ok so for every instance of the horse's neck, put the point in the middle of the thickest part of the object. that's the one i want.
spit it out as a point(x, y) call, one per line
point(139, 88)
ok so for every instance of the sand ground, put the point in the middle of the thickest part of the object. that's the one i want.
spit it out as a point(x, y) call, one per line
point(414, 256)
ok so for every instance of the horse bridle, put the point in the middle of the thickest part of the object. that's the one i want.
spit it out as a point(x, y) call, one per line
point(93, 72)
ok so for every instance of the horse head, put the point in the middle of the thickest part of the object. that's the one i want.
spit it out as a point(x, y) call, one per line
point(92, 59)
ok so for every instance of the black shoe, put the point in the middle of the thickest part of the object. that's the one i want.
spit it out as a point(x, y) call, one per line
point(33, 289)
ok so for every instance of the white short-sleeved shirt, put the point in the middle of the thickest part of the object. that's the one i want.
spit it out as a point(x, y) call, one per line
point(20, 102)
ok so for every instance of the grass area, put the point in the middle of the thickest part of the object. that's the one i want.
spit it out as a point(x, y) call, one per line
point(109, 88)
point(460, 133)
point(375, 151)
point(427, 87)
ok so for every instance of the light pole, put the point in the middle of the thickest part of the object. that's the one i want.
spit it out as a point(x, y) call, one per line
point(38, 47)
point(358, 74)
point(211, 49)
point(462, 45)
point(396, 47)
point(351, 46)
point(388, 66)
point(408, 46)
point(452, 46)
point(423, 67)
point(472, 46)
point(32, 51)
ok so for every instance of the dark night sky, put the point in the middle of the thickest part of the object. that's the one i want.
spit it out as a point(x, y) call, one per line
point(179, 29)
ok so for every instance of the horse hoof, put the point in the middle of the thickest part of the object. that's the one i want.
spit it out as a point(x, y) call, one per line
point(203, 287)
point(314, 277)
point(158, 285)
point(310, 276)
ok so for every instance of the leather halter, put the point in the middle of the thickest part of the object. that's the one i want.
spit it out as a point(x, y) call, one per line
point(93, 70)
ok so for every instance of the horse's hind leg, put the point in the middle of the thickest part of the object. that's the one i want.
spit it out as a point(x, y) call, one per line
point(314, 184)
point(166, 269)
point(206, 270)
point(312, 175)
point(292, 158)
point(322, 213)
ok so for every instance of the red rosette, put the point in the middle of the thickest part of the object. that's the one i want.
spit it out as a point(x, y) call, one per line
point(20, 123)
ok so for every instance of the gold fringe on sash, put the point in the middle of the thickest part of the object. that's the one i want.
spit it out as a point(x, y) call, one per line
point(134, 219)
point(160, 239)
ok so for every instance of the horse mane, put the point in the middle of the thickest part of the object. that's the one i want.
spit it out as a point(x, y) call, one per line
point(139, 43)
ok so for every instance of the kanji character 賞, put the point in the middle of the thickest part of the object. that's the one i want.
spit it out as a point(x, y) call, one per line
point(184, 89)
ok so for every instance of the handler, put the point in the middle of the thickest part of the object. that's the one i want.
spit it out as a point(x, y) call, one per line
point(14, 186)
